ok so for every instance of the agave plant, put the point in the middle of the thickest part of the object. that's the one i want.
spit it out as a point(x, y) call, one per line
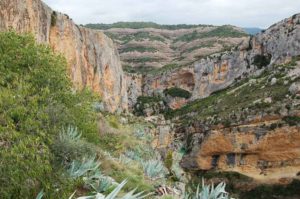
point(40, 195)
point(70, 146)
point(124, 159)
point(115, 192)
point(81, 168)
point(102, 184)
point(209, 192)
point(69, 134)
point(154, 169)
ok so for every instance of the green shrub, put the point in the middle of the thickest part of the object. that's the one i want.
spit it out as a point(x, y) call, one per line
point(273, 191)
point(262, 60)
point(169, 161)
point(36, 100)
point(209, 192)
point(70, 146)
point(53, 18)
point(177, 92)
point(154, 169)
point(292, 120)
point(143, 101)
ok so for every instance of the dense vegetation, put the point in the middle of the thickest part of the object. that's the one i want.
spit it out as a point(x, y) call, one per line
point(52, 137)
point(36, 101)
point(273, 191)
point(178, 92)
point(140, 25)
point(262, 61)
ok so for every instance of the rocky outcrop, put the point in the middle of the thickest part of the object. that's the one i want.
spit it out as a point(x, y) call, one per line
point(277, 45)
point(92, 58)
point(253, 150)
point(134, 88)
point(281, 40)
point(204, 77)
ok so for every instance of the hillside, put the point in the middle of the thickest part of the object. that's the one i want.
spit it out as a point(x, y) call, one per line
point(236, 114)
point(178, 110)
point(92, 58)
point(147, 46)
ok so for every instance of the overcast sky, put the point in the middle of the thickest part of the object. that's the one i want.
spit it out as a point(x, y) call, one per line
point(243, 13)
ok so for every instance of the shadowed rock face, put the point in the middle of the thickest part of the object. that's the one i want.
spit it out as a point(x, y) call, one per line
point(92, 58)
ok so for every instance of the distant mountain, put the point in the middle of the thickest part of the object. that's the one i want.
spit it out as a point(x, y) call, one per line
point(147, 46)
point(141, 25)
point(253, 31)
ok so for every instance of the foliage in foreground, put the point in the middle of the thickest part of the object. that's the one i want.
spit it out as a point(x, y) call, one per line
point(209, 192)
point(36, 100)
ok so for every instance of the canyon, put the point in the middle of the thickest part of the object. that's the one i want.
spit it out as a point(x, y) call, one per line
point(92, 58)
point(230, 101)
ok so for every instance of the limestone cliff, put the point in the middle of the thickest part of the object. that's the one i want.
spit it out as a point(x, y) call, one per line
point(276, 45)
point(93, 60)
point(251, 125)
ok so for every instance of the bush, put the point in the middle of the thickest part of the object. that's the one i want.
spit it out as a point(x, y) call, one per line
point(169, 161)
point(154, 169)
point(147, 101)
point(273, 191)
point(262, 60)
point(36, 100)
point(292, 120)
point(209, 192)
point(53, 18)
point(70, 146)
point(177, 92)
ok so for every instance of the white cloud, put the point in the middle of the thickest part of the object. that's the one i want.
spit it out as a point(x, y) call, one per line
point(244, 13)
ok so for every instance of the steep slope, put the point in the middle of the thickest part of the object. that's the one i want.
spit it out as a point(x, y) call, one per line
point(147, 46)
point(276, 45)
point(93, 60)
point(252, 126)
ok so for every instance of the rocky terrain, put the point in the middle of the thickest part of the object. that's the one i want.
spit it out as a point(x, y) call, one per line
point(242, 114)
point(147, 46)
point(210, 100)
point(92, 58)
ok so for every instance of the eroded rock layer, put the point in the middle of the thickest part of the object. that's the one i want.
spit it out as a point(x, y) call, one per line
point(93, 60)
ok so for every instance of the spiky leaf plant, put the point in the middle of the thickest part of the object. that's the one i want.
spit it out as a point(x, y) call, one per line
point(209, 192)
point(80, 168)
point(70, 146)
point(154, 169)
point(114, 194)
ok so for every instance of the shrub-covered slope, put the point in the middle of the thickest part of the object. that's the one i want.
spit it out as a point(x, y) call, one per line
point(144, 47)
point(53, 138)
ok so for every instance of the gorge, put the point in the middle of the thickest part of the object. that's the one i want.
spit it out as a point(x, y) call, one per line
point(216, 102)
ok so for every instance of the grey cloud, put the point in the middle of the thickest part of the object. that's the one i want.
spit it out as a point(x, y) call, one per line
point(242, 13)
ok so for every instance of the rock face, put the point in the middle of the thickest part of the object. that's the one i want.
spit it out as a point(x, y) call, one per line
point(92, 58)
point(252, 150)
point(134, 89)
point(277, 45)
point(281, 40)
point(203, 77)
